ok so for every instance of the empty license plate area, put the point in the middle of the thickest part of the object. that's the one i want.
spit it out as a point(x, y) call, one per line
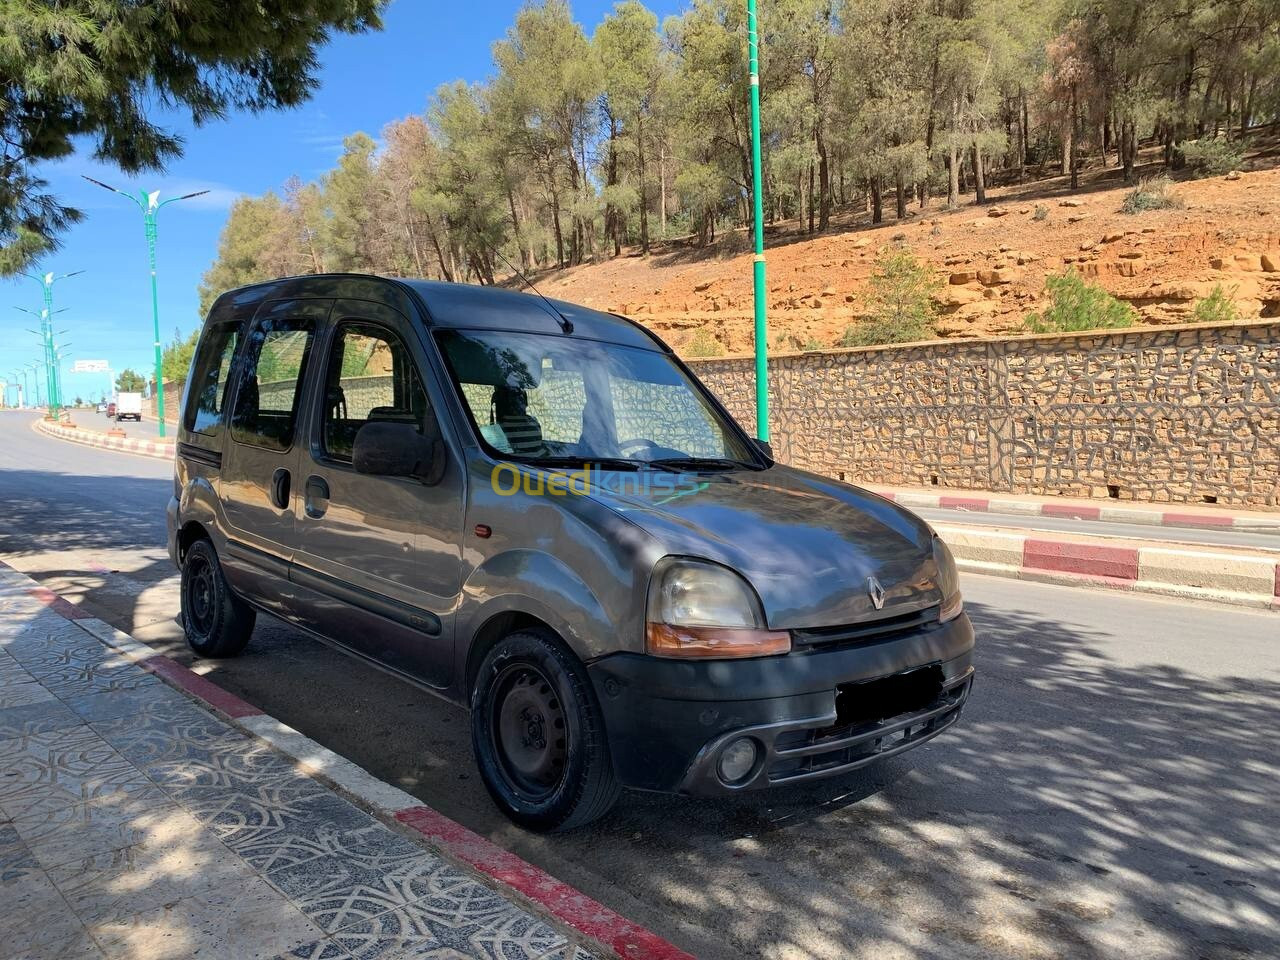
point(871, 701)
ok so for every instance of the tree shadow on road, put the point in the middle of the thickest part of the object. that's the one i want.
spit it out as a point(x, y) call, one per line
point(98, 540)
point(1081, 809)
point(76, 517)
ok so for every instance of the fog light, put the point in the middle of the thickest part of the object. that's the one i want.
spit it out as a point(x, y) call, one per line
point(738, 759)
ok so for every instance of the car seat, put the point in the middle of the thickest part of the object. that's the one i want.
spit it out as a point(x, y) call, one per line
point(511, 413)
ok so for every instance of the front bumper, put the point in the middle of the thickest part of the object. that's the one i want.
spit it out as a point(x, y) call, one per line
point(668, 720)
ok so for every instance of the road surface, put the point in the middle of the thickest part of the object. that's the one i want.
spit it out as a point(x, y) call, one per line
point(1111, 790)
point(145, 429)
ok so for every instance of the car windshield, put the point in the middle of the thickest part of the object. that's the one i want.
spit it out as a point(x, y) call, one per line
point(554, 399)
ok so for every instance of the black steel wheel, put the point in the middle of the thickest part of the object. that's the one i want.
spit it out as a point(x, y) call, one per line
point(528, 730)
point(217, 623)
point(539, 736)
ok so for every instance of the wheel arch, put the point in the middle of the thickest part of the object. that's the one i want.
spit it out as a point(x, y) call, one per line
point(524, 588)
point(191, 531)
point(488, 634)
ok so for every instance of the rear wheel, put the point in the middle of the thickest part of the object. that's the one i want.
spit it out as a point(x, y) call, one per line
point(538, 735)
point(217, 622)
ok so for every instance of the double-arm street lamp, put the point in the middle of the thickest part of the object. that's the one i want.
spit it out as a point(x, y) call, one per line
point(150, 205)
point(61, 353)
point(34, 367)
point(46, 282)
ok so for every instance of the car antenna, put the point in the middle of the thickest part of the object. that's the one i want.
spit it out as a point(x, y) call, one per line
point(565, 323)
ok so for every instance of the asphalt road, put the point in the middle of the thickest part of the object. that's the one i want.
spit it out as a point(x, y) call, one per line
point(146, 429)
point(1111, 790)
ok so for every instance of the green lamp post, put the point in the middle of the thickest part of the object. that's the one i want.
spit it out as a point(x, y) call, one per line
point(757, 191)
point(45, 336)
point(34, 367)
point(46, 282)
point(23, 372)
point(150, 205)
point(60, 353)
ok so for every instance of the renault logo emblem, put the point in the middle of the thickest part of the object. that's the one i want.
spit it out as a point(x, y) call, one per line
point(875, 592)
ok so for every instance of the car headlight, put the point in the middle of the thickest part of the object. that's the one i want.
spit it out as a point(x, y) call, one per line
point(699, 609)
point(948, 582)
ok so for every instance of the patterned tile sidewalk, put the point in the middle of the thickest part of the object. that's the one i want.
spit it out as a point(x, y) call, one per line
point(135, 823)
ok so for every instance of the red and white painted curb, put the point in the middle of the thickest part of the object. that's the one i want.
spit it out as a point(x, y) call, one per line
point(160, 449)
point(590, 923)
point(1049, 507)
point(1237, 577)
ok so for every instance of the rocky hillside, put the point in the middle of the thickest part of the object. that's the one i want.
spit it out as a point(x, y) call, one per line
point(992, 261)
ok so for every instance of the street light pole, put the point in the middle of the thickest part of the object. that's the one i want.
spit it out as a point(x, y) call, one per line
point(46, 333)
point(45, 336)
point(150, 205)
point(60, 353)
point(34, 367)
point(757, 190)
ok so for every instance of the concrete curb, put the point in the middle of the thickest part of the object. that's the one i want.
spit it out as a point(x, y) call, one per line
point(1049, 507)
point(159, 449)
point(1238, 578)
point(588, 922)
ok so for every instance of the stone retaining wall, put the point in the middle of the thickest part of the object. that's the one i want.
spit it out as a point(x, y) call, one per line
point(1188, 414)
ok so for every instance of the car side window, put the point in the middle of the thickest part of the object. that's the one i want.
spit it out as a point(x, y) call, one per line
point(371, 377)
point(275, 358)
point(210, 372)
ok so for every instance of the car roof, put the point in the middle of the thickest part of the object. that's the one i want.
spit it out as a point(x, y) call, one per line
point(457, 305)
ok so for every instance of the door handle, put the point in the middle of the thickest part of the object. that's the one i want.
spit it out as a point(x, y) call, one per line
point(280, 488)
point(317, 500)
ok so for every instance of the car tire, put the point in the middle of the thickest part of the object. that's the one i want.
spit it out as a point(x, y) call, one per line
point(539, 736)
point(217, 622)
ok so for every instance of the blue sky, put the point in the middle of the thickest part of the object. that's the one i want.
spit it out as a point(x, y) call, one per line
point(366, 81)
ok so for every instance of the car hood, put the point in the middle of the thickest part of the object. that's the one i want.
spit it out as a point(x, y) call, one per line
point(807, 545)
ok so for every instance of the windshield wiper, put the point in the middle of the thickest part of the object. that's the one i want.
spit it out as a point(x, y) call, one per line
point(702, 463)
point(605, 463)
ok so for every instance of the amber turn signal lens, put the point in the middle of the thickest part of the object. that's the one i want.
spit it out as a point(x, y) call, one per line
point(952, 608)
point(666, 640)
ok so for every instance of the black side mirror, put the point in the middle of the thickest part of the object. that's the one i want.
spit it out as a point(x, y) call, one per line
point(765, 447)
point(398, 450)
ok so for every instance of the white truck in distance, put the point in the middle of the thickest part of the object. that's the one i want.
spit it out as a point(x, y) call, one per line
point(129, 406)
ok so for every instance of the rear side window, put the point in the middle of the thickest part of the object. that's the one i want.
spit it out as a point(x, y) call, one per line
point(210, 372)
point(275, 358)
point(371, 377)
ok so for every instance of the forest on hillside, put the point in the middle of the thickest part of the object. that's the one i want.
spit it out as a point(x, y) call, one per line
point(578, 145)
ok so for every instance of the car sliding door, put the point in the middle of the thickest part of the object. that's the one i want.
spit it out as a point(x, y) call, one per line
point(259, 470)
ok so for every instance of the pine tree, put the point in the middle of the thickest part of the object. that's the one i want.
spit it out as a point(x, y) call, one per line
point(93, 68)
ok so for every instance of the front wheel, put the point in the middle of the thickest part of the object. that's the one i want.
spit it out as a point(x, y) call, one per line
point(538, 735)
point(217, 622)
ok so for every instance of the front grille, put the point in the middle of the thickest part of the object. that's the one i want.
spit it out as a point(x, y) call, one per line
point(870, 631)
point(801, 754)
